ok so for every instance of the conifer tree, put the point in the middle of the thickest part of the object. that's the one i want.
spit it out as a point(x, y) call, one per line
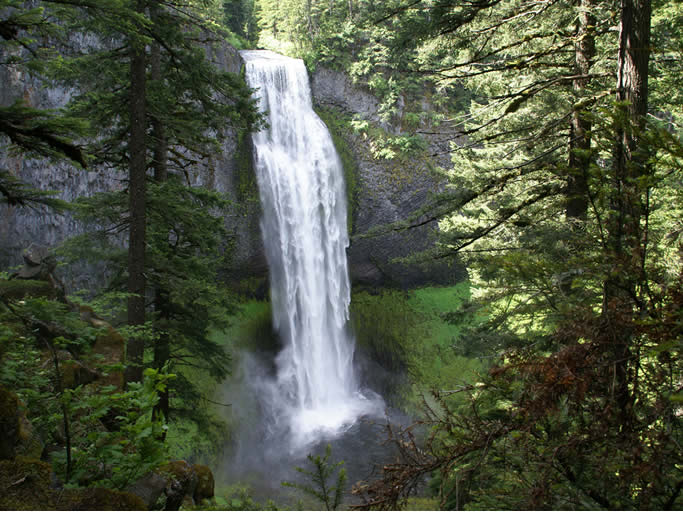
point(578, 411)
point(189, 106)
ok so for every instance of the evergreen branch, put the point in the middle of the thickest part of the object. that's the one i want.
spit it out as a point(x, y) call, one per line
point(15, 192)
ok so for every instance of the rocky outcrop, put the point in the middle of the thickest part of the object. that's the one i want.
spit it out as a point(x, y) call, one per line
point(37, 279)
point(229, 173)
point(333, 89)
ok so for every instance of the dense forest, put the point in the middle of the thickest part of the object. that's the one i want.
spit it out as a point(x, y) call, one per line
point(539, 369)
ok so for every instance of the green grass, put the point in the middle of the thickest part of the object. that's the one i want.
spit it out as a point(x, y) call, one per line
point(437, 364)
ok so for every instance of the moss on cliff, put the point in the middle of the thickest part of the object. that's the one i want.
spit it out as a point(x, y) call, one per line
point(247, 187)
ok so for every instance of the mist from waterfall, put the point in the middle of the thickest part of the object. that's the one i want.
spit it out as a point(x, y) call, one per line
point(304, 227)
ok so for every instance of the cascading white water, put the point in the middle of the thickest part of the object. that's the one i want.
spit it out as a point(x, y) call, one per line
point(304, 228)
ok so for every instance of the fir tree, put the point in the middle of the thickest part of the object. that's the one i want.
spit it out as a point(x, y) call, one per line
point(189, 106)
point(553, 207)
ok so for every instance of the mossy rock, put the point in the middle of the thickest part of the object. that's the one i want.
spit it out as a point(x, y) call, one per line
point(175, 484)
point(205, 483)
point(25, 485)
point(17, 435)
point(109, 349)
point(181, 481)
point(9, 423)
point(99, 498)
point(17, 289)
point(30, 444)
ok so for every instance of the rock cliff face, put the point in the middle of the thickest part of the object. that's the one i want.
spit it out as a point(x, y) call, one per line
point(379, 196)
point(386, 191)
point(20, 226)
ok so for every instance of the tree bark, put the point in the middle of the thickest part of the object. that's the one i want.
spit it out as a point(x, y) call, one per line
point(137, 208)
point(579, 135)
point(162, 350)
point(626, 202)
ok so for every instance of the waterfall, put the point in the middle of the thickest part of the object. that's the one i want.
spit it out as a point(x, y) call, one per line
point(304, 228)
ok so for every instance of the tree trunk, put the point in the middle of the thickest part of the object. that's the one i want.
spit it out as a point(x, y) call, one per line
point(579, 135)
point(136, 192)
point(162, 349)
point(627, 210)
point(309, 19)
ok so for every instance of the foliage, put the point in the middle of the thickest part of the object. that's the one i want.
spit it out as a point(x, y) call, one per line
point(238, 497)
point(413, 333)
point(386, 327)
point(557, 204)
point(30, 329)
point(116, 458)
point(240, 19)
point(320, 485)
point(189, 106)
point(339, 128)
point(184, 268)
point(109, 436)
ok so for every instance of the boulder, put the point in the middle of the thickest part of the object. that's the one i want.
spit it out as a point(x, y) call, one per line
point(9, 423)
point(39, 265)
point(181, 481)
point(17, 435)
point(109, 349)
point(205, 483)
point(74, 373)
point(17, 289)
point(175, 484)
point(26, 485)
point(149, 488)
point(98, 498)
